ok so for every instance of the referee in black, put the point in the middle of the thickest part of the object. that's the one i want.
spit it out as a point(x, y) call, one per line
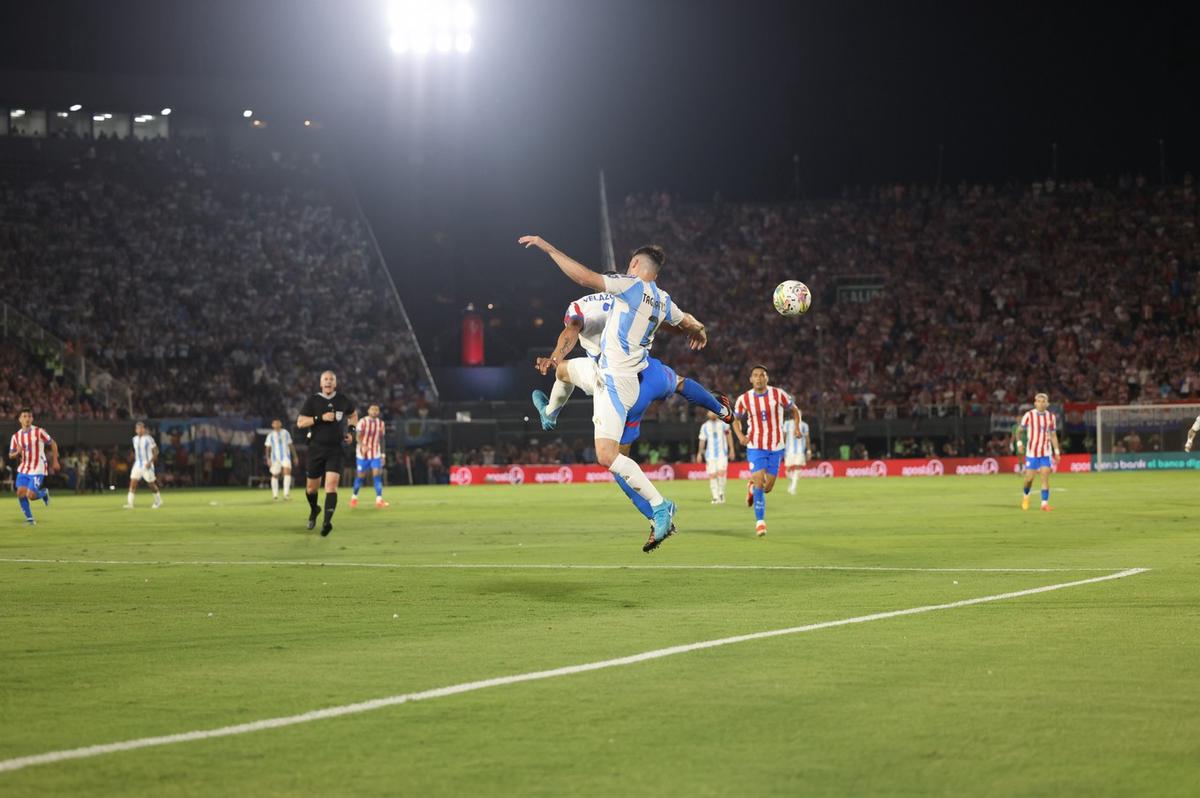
point(329, 418)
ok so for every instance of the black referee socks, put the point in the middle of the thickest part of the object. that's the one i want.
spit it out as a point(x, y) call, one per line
point(330, 505)
point(312, 502)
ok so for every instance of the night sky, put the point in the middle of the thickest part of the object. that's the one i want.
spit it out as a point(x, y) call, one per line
point(454, 159)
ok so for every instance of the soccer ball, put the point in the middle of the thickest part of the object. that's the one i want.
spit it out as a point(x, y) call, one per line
point(792, 298)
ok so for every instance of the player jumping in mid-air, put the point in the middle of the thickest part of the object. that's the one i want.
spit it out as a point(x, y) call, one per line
point(323, 415)
point(639, 308)
point(280, 453)
point(715, 450)
point(369, 453)
point(762, 408)
point(1040, 446)
point(145, 452)
point(1191, 438)
point(29, 444)
point(797, 450)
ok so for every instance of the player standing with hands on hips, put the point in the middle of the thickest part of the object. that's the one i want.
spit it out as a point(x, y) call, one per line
point(323, 415)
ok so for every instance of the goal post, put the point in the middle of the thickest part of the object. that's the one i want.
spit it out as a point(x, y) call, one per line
point(1133, 433)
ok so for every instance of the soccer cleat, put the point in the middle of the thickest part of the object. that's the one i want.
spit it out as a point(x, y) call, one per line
point(1047, 508)
point(749, 494)
point(30, 522)
point(791, 491)
point(651, 544)
point(380, 504)
point(326, 528)
point(760, 529)
point(353, 501)
point(1025, 502)
point(715, 501)
point(274, 498)
point(721, 499)
point(663, 525)
point(312, 519)
point(46, 497)
point(726, 407)
point(157, 503)
point(540, 400)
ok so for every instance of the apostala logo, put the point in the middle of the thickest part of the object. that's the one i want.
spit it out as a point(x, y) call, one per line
point(460, 475)
point(561, 475)
point(877, 468)
point(933, 468)
point(989, 465)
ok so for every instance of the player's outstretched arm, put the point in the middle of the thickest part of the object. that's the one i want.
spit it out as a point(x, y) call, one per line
point(570, 267)
point(697, 337)
point(566, 342)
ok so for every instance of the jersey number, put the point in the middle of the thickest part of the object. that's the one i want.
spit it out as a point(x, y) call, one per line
point(650, 331)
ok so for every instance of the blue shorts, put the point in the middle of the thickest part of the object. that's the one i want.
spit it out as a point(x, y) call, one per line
point(30, 481)
point(656, 382)
point(765, 459)
point(369, 464)
point(1034, 463)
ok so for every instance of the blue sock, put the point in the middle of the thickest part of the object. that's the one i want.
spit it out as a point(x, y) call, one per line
point(1027, 489)
point(25, 507)
point(697, 394)
point(379, 486)
point(638, 502)
point(357, 484)
point(760, 504)
point(1045, 494)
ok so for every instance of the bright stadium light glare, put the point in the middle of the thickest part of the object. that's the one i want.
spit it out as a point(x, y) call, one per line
point(165, 112)
point(18, 112)
point(247, 113)
point(76, 107)
point(419, 26)
point(62, 114)
point(98, 118)
point(108, 116)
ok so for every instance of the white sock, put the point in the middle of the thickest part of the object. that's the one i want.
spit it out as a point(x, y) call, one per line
point(721, 484)
point(275, 487)
point(637, 479)
point(559, 395)
point(713, 485)
point(795, 479)
point(157, 497)
point(129, 498)
point(287, 485)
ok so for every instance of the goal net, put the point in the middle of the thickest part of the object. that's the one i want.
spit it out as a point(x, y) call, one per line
point(1144, 436)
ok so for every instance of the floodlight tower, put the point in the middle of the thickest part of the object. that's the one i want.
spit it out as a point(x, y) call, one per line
point(424, 27)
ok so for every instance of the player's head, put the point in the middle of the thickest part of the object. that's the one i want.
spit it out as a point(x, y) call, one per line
point(1041, 402)
point(759, 378)
point(373, 411)
point(139, 428)
point(25, 417)
point(647, 262)
point(276, 424)
point(328, 382)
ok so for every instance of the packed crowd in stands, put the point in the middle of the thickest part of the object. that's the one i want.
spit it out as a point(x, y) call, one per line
point(41, 384)
point(959, 300)
point(214, 285)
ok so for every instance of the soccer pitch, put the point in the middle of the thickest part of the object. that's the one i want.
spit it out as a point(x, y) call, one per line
point(214, 613)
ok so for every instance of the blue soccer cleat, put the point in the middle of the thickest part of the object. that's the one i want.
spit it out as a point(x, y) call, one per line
point(663, 527)
point(46, 497)
point(540, 400)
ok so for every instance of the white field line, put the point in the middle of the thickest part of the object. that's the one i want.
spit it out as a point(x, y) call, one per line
point(441, 692)
point(548, 566)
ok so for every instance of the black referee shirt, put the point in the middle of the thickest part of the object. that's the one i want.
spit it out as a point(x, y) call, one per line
point(327, 433)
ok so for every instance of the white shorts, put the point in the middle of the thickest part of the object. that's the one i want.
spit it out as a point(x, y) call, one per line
point(584, 374)
point(795, 460)
point(277, 466)
point(610, 406)
point(716, 467)
point(142, 472)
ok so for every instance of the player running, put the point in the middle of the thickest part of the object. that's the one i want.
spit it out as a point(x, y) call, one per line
point(1187, 447)
point(29, 444)
point(370, 455)
point(145, 452)
point(323, 415)
point(280, 453)
point(762, 408)
point(639, 308)
point(715, 450)
point(797, 450)
point(1041, 448)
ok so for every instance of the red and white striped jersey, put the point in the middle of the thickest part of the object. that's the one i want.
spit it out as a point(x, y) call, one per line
point(1038, 427)
point(763, 414)
point(370, 438)
point(31, 445)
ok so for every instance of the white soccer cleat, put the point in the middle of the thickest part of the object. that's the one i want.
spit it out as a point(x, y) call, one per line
point(156, 505)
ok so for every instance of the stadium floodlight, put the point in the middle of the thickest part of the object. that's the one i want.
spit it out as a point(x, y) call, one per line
point(107, 116)
point(165, 112)
point(17, 112)
point(76, 107)
point(98, 117)
point(247, 113)
point(62, 114)
point(422, 26)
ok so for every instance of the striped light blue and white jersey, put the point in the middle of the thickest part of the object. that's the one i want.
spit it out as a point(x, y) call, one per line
point(793, 443)
point(278, 445)
point(592, 312)
point(143, 451)
point(712, 438)
point(638, 310)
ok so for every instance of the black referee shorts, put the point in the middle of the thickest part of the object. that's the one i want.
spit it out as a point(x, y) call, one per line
point(322, 460)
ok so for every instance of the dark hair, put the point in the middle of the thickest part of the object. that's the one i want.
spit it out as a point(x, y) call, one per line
point(25, 410)
point(760, 366)
point(655, 253)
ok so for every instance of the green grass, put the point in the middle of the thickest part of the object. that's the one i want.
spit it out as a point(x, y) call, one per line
point(1090, 690)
